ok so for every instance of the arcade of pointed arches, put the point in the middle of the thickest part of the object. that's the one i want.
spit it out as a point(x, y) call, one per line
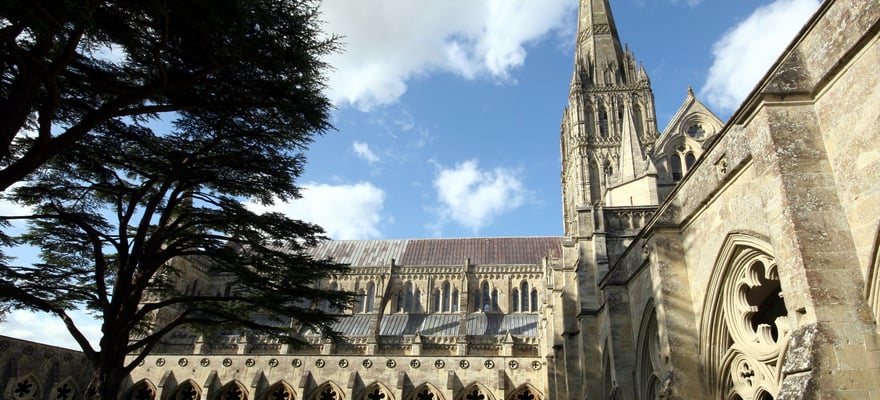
point(234, 390)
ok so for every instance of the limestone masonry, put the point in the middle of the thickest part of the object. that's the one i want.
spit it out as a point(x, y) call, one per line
point(704, 261)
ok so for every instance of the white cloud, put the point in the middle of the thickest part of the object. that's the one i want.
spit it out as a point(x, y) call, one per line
point(363, 151)
point(388, 42)
point(473, 197)
point(48, 329)
point(344, 211)
point(745, 53)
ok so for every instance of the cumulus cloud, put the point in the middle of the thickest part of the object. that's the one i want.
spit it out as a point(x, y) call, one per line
point(745, 53)
point(363, 151)
point(473, 197)
point(48, 329)
point(388, 42)
point(344, 211)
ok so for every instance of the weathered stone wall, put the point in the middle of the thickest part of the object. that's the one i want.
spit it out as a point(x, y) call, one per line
point(399, 377)
point(37, 371)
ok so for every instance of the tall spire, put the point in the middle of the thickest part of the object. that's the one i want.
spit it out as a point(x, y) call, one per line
point(598, 45)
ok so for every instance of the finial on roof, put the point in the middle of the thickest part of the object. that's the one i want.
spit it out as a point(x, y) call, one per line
point(690, 91)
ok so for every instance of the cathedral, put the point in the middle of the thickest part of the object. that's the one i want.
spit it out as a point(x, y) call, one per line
point(708, 260)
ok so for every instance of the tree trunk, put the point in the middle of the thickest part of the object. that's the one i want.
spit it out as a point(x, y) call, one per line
point(109, 371)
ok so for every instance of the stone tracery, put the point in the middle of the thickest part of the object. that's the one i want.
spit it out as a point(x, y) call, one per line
point(745, 329)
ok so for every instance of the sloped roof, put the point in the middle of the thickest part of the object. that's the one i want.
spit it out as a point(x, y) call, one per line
point(439, 252)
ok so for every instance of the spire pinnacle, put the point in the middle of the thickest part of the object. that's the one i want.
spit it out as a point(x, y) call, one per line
point(599, 45)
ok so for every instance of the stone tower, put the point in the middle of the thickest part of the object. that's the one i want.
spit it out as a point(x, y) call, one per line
point(609, 186)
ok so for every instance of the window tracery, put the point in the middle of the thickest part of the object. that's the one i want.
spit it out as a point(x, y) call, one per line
point(525, 392)
point(280, 391)
point(65, 390)
point(475, 392)
point(696, 131)
point(187, 391)
point(327, 391)
point(232, 391)
point(425, 392)
point(142, 391)
point(746, 322)
point(375, 392)
point(26, 388)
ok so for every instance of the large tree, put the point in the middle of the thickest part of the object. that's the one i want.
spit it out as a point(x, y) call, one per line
point(70, 67)
point(123, 199)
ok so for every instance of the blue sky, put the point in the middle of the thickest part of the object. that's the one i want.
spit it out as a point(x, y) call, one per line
point(448, 111)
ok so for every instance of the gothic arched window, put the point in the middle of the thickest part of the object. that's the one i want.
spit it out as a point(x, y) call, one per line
point(280, 391)
point(603, 122)
point(401, 301)
point(455, 300)
point(417, 301)
point(494, 299)
point(435, 301)
point(446, 297)
point(524, 296)
point(637, 119)
point(187, 391)
point(142, 390)
point(514, 300)
point(407, 297)
point(689, 160)
point(675, 162)
point(371, 297)
point(484, 295)
point(746, 323)
point(534, 300)
point(360, 302)
point(478, 301)
point(233, 391)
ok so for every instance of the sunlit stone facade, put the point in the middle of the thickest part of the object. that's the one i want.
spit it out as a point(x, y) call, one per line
point(707, 260)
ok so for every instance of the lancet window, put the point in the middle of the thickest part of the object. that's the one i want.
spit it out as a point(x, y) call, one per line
point(371, 297)
point(603, 122)
point(446, 298)
point(675, 162)
point(486, 299)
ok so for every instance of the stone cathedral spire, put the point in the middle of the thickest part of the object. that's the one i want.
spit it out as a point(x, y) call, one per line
point(609, 125)
point(608, 182)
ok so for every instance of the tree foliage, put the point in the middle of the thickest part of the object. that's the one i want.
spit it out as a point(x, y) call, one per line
point(123, 199)
point(71, 67)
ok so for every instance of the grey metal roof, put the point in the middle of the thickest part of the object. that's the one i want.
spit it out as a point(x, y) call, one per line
point(355, 325)
point(520, 324)
point(441, 325)
point(364, 253)
point(349, 325)
point(480, 324)
point(401, 324)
